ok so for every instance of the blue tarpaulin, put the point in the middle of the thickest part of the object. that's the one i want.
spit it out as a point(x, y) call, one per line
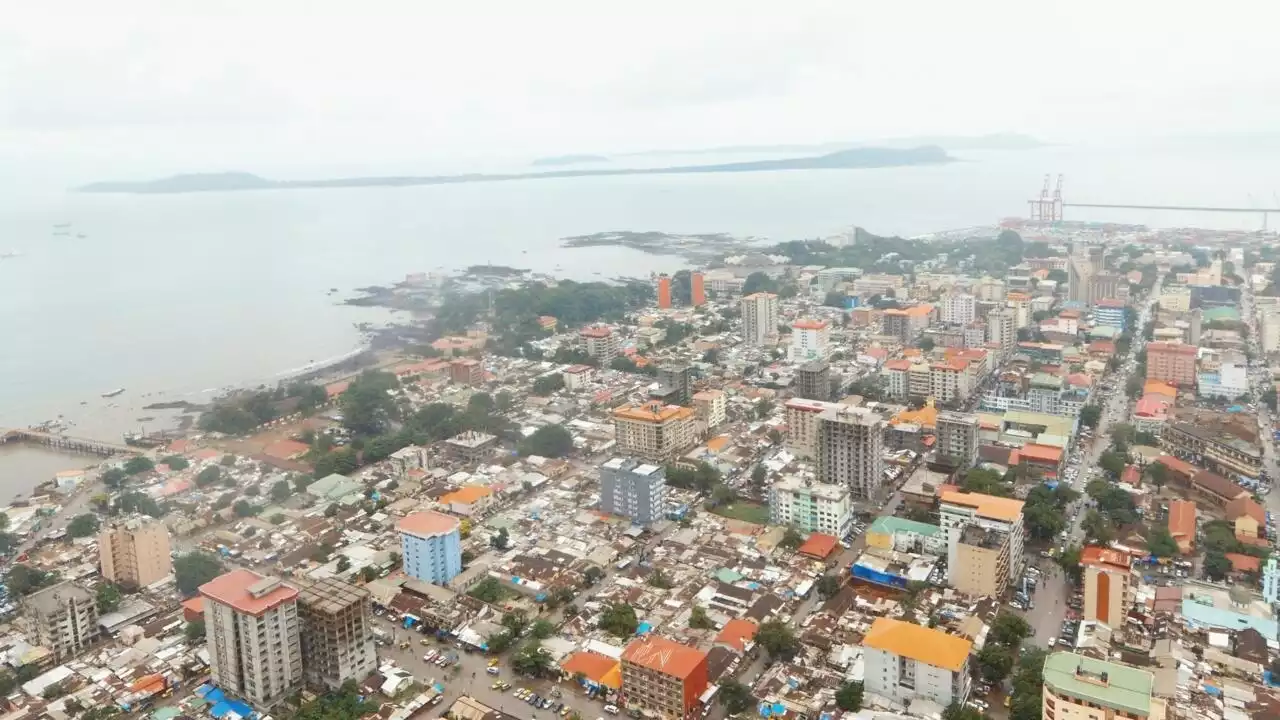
point(1211, 690)
point(643, 628)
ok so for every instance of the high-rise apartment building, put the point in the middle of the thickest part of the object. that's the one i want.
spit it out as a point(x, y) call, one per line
point(810, 341)
point(760, 318)
point(906, 661)
point(1106, 585)
point(711, 408)
point(65, 618)
point(697, 289)
point(1002, 330)
point(253, 635)
point(600, 343)
point(336, 621)
point(1078, 275)
point(811, 507)
point(803, 426)
point(633, 490)
point(1173, 363)
point(1079, 686)
point(664, 291)
point(813, 381)
point(662, 677)
point(431, 546)
point(957, 437)
point(678, 377)
point(135, 553)
point(907, 324)
point(654, 432)
point(993, 556)
point(850, 445)
point(958, 308)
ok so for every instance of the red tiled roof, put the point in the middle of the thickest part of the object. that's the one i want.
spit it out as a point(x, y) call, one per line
point(664, 656)
point(1105, 558)
point(233, 589)
point(737, 633)
point(819, 545)
point(427, 522)
point(597, 668)
point(1218, 485)
point(1244, 563)
point(1245, 505)
point(1181, 467)
point(1182, 523)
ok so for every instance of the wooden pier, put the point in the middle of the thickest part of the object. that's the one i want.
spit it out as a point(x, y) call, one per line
point(65, 443)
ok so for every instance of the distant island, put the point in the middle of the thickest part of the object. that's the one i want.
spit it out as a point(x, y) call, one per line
point(994, 141)
point(568, 160)
point(843, 160)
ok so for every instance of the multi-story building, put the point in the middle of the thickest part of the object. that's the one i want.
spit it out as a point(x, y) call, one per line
point(466, 371)
point(600, 343)
point(664, 291)
point(803, 425)
point(813, 381)
point(253, 636)
point(897, 378)
point(653, 431)
point(679, 378)
point(760, 318)
point(811, 507)
point(903, 535)
point(1001, 330)
point(633, 490)
point(65, 618)
point(336, 621)
point(724, 283)
point(906, 324)
point(431, 546)
point(663, 677)
point(810, 341)
point(957, 437)
point(1173, 363)
point(697, 289)
point(1175, 299)
point(1106, 585)
point(1079, 687)
point(877, 285)
point(1213, 446)
point(1229, 381)
point(1109, 312)
point(850, 444)
point(1003, 545)
point(958, 308)
point(711, 408)
point(905, 661)
point(1078, 275)
point(1020, 305)
point(949, 381)
point(135, 553)
point(1105, 286)
point(989, 289)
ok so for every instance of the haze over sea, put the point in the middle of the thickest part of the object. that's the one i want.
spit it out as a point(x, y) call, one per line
point(175, 296)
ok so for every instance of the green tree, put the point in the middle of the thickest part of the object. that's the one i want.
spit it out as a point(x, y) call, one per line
point(699, 620)
point(193, 569)
point(1133, 386)
point(367, 404)
point(489, 590)
point(1090, 415)
point(551, 441)
point(500, 541)
point(1161, 543)
point(619, 620)
point(987, 482)
point(1096, 528)
point(541, 629)
point(956, 711)
point(759, 282)
point(1216, 565)
point(734, 697)
point(281, 490)
point(1157, 473)
point(531, 660)
point(791, 539)
point(138, 464)
point(776, 637)
point(344, 563)
point(24, 579)
point(546, 384)
point(108, 597)
point(849, 696)
point(83, 525)
point(828, 585)
point(1069, 561)
point(1113, 462)
point(208, 476)
point(659, 579)
point(175, 462)
point(194, 632)
point(243, 508)
point(995, 661)
point(1009, 629)
point(114, 478)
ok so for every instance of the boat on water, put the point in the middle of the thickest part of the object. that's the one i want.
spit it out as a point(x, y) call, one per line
point(113, 393)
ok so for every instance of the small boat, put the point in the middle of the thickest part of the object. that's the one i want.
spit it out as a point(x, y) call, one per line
point(113, 393)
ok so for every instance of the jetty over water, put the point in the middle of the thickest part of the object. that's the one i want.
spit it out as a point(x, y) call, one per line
point(65, 443)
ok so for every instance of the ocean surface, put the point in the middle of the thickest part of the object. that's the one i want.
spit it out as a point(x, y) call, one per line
point(179, 296)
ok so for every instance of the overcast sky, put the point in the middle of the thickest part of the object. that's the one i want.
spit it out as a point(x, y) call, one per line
point(277, 83)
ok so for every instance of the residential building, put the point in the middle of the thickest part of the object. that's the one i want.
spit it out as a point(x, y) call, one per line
point(958, 308)
point(1229, 381)
point(253, 637)
point(949, 381)
point(468, 500)
point(803, 426)
point(1106, 585)
point(711, 408)
point(1109, 312)
point(906, 324)
point(897, 378)
point(1020, 305)
point(1078, 274)
point(1085, 688)
point(1182, 524)
point(135, 553)
point(336, 622)
point(724, 283)
point(850, 442)
point(633, 490)
point(997, 552)
point(577, 377)
point(902, 535)
point(679, 378)
point(760, 318)
point(697, 289)
point(1002, 331)
point(877, 285)
point(600, 343)
point(813, 381)
point(810, 341)
point(811, 507)
point(430, 546)
point(905, 661)
point(64, 617)
point(957, 437)
point(654, 432)
point(1106, 286)
point(662, 677)
point(664, 291)
point(466, 371)
point(1175, 299)
point(1173, 363)
point(989, 289)
point(471, 445)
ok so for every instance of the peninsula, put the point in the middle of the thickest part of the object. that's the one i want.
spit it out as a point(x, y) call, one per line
point(215, 182)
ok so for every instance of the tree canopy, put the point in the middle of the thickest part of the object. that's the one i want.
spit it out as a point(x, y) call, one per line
point(619, 620)
point(193, 569)
point(552, 441)
point(777, 638)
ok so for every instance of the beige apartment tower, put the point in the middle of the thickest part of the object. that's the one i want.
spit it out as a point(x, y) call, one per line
point(135, 553)
point(65, 618)
point(760, 318)
point(254, 643)
point(654, 432)
point(850, 451)
point(337, 633)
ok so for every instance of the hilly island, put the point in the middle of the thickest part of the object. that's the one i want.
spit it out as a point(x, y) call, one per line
point(216, 182)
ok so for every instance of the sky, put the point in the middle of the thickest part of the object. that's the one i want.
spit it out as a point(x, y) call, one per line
point(323, 85)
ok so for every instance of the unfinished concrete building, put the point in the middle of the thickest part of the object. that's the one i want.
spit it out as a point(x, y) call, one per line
point(337, 633)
